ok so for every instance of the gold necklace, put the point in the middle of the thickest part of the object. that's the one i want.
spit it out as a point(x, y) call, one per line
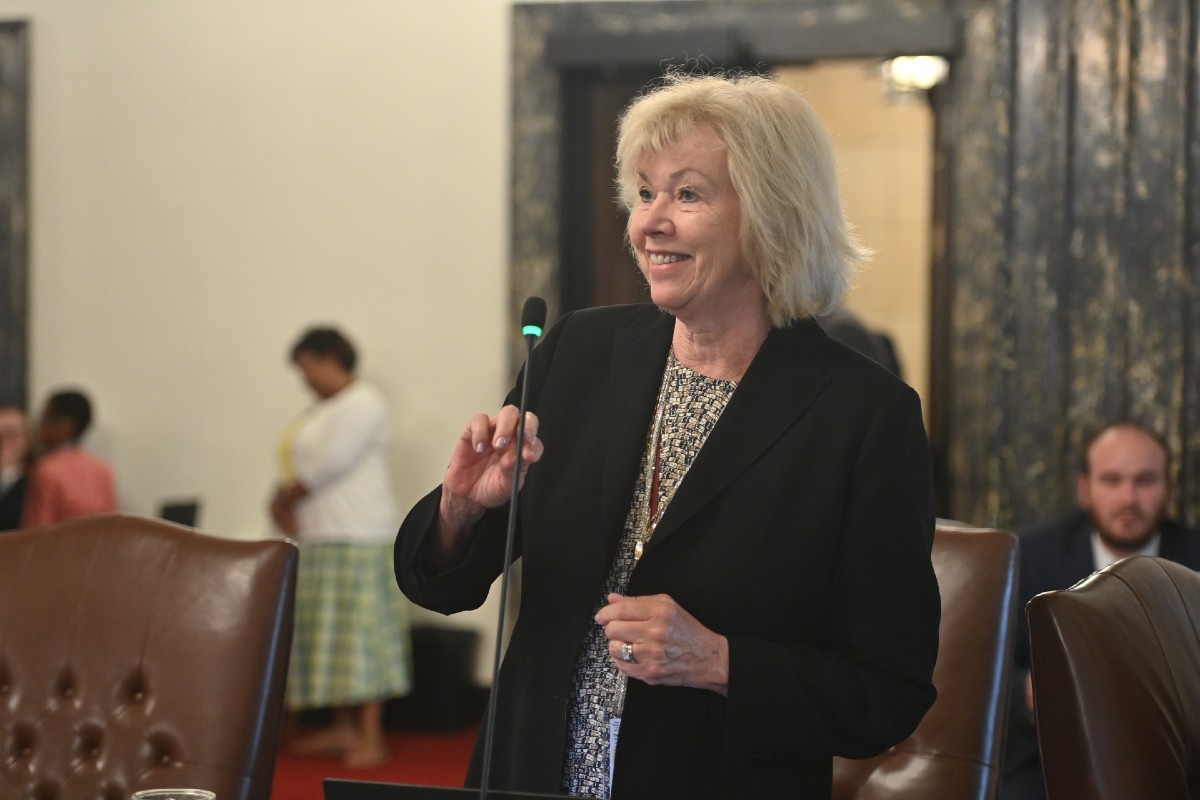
point(653, 509)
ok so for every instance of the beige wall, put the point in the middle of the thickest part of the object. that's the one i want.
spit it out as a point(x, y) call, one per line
point(207, 178)
point(884, 149)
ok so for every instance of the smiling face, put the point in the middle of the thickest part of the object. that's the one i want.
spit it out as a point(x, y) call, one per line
point(684, 231)
point(1125, 488)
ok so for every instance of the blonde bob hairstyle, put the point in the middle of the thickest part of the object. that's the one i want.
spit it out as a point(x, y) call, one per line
point(793, 233)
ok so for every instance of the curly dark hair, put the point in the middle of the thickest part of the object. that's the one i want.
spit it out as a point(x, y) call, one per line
point(327, 342)
point(72, 406)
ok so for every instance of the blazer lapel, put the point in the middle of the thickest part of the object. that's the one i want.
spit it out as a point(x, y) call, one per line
point(789, 368)
point(639, 355)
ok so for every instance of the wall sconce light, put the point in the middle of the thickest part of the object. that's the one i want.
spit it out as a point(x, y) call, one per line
point(910, 74)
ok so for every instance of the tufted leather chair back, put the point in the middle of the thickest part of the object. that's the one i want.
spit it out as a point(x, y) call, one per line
point(139, 654)
point(1116, 680)
point(954, 754)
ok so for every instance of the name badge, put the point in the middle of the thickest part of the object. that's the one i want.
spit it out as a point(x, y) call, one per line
point(614, 727)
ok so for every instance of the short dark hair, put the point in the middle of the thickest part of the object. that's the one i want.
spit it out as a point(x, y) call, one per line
point(74, 407)
point(327, 342)
point(1130, 424)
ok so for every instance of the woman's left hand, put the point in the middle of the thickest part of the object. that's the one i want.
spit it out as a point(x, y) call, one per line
point(668, 645)
point(284, 517)
point(283, 506)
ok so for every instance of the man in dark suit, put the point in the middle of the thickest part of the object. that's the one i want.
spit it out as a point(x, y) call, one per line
point(1123, 491)
point(848, 328)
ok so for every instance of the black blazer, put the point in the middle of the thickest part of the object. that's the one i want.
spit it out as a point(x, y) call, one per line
point(1057, 555)
point(802, 532)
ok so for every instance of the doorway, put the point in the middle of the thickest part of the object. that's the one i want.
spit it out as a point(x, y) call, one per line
point(559, 47)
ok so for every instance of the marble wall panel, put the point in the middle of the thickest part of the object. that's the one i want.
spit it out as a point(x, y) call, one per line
point(14, 211)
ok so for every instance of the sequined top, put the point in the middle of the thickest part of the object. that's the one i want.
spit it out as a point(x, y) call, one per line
point(692, 403)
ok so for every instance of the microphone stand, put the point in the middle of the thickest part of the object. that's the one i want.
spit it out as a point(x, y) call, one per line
point(533, 317)
point(531, 333)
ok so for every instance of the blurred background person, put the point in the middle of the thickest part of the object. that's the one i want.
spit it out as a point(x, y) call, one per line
point(14, 461)
point(1124, 489)
point(848, 328)
point(726, 516)
point(352, 649)
point(66, 481)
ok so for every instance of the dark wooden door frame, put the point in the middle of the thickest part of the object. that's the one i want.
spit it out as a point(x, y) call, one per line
point(556, 43)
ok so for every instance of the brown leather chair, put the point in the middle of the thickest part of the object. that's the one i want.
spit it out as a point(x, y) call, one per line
point(1116, 681)
point(139, 654)
point(954, 754)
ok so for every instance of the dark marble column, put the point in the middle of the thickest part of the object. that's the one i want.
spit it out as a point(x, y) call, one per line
point(1074, 248)
point(14, 211)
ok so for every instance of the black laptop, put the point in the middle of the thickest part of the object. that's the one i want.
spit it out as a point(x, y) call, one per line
point(184, 511)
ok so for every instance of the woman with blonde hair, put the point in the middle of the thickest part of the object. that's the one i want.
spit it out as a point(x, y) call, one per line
point(726, 518)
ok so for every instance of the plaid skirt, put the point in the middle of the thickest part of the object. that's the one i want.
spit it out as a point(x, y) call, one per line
point(351, 641)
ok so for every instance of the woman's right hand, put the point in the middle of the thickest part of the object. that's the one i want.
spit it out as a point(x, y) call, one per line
point(480, 474)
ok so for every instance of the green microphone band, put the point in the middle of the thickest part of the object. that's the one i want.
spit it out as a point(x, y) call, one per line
point(531, 330)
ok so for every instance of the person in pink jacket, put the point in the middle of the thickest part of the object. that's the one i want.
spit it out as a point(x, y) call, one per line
point(66, 481)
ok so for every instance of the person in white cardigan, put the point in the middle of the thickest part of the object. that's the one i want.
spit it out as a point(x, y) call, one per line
point(351, 649)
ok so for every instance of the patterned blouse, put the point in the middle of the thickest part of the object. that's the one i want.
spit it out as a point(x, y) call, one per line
point(691, 404)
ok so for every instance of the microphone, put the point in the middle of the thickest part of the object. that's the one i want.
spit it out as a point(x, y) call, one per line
point(533, 318)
